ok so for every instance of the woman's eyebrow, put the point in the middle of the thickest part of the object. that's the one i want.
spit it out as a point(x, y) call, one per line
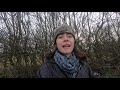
point(65, 33)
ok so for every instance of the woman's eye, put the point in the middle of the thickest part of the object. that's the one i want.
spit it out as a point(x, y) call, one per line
point(59, 36)
point(69, 36)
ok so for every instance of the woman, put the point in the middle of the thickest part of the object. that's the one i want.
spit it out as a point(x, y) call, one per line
point(66, 61)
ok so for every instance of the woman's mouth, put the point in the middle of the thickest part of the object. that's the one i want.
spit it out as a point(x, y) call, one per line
point(66, 46)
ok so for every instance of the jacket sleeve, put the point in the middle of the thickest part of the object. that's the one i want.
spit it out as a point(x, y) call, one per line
point(91, 74)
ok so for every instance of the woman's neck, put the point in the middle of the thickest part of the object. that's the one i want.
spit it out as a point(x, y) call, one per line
point(68, 55)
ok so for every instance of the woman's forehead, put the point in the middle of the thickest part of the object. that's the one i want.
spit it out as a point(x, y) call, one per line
point(65, 33)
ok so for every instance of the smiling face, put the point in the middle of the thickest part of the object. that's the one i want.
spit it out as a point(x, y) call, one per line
point(65, 43)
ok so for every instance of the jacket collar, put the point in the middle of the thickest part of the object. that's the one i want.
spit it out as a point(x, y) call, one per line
point(51, 60)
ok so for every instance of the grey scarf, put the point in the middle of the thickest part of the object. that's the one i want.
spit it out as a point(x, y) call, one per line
point(69, 65)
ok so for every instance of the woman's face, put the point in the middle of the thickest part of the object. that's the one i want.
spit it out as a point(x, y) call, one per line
point(65, 43)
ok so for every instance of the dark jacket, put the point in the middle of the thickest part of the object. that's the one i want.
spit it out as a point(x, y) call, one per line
point(51, 70)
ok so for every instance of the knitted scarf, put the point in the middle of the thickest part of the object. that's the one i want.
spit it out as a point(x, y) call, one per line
point(69, 65)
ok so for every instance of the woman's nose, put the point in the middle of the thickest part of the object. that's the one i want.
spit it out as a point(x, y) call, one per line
point(65, 38)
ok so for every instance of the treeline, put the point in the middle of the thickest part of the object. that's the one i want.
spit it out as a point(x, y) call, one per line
point(26, 38)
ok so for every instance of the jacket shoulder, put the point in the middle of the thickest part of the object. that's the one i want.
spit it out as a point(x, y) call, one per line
point(44, 70)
